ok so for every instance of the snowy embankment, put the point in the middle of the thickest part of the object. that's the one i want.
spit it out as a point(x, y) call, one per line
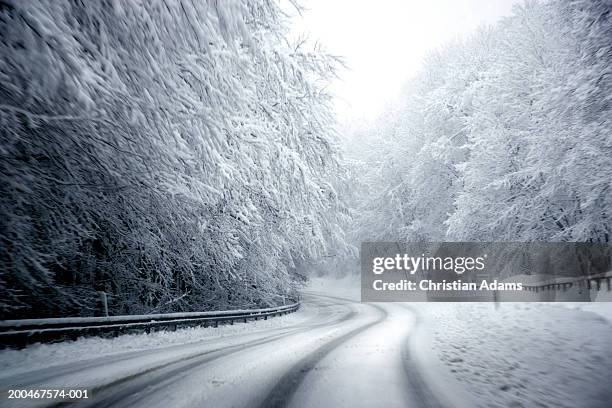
point(518, 355)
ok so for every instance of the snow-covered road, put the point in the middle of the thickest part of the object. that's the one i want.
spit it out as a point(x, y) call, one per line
point(334, 352)
point(338, 352)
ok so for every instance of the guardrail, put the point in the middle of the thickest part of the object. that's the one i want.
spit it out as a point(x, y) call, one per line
point(588, 283)
point(19, 333)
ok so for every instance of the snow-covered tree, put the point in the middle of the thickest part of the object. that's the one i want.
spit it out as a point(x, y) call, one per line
point(175, 154)
point(504, 136)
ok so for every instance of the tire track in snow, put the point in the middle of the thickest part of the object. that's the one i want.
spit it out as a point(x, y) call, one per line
point(29, 379)
point(282, 393)
point(119, 392)
point(425, 396)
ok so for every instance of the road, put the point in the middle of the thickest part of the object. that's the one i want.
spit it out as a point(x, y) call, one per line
point(342, 354)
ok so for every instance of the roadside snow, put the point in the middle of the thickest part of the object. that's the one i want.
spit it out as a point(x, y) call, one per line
point(38, 355)
point(603, 309)
point(519, 355)
point(470, 354)
point(348, 287)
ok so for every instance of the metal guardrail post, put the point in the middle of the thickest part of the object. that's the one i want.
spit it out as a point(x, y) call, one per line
point(104, 300)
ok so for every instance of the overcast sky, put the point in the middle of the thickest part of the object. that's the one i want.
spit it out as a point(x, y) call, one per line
point(384, 41)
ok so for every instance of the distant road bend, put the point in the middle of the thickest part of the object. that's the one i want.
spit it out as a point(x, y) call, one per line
point(342, 354)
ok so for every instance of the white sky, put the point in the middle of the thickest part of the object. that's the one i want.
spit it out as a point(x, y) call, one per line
point(384, 41)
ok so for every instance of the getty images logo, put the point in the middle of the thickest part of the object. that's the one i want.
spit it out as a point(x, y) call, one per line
point(413, 264)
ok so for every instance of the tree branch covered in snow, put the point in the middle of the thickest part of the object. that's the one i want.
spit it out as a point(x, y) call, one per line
point(173, 153)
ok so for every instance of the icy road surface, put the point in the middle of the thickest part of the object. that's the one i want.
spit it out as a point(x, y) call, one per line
point(334, 352)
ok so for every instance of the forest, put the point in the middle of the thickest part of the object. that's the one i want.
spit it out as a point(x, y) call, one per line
point(504, 136)
point(182, 166)
point(197, 164)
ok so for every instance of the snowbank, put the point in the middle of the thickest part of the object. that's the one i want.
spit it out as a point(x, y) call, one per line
point(519, 355)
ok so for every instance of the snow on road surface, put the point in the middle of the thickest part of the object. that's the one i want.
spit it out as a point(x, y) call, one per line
point(277, 365)
point(339, 352)
point(44, 355)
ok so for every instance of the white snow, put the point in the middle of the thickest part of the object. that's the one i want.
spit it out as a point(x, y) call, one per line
point(357, 355)
point(38, 355)
point(347, 287)
point(603, 309)
point(518, 355)
point(515, 355)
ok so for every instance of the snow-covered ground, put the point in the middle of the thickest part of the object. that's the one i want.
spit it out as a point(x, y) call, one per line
point(517, 355)
point(336, 351)
point(603, 309)
point(513, 355)
point(44, 355)
point(347, 287)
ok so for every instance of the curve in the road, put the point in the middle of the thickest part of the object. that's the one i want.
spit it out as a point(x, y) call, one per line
point(118, 392)
point(280, 395)
point(279, 387)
